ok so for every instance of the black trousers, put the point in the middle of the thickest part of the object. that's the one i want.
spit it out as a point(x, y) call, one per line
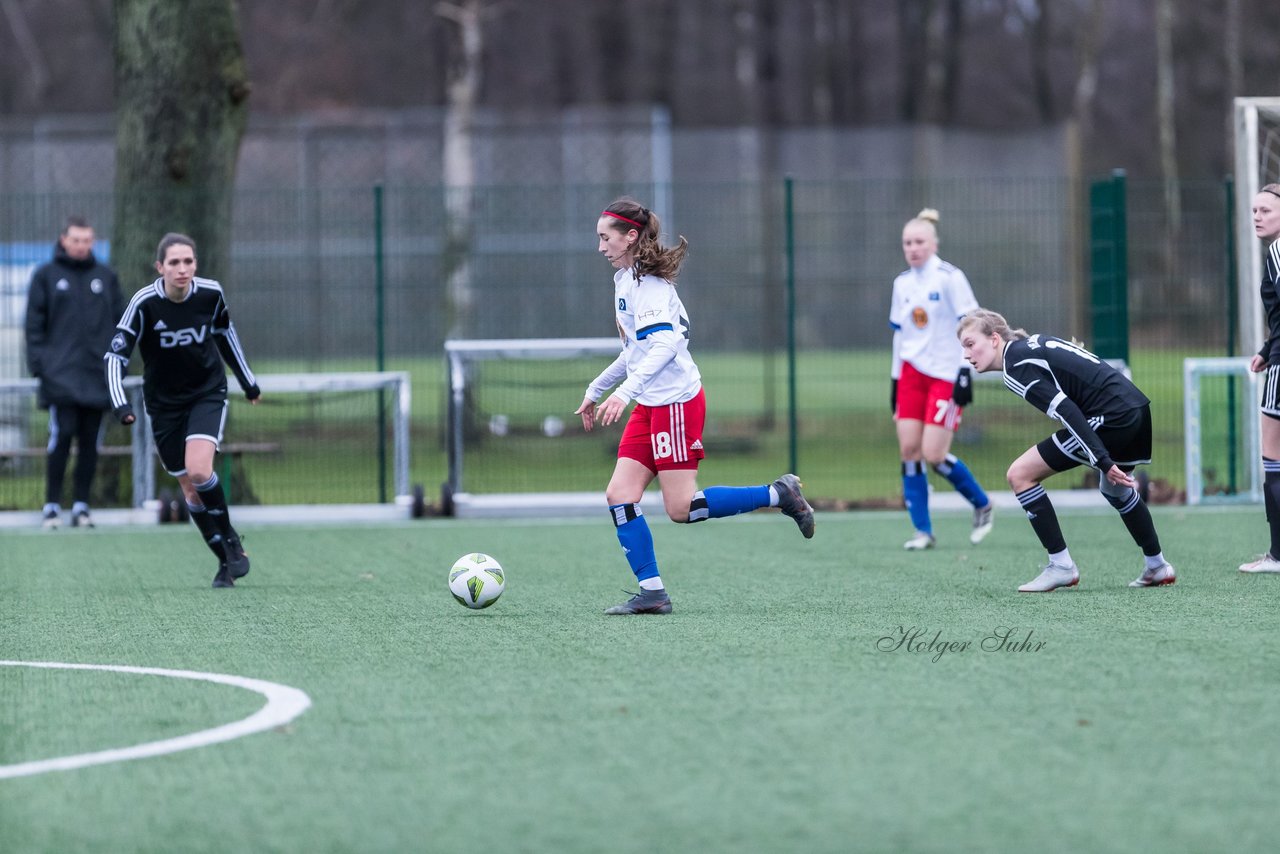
point(66, 423)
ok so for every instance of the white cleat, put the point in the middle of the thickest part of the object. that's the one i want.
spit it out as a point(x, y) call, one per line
point(984, 519)
point(1158, 577)
point(919, 542)
point(1266, 563)
point(1051, 578)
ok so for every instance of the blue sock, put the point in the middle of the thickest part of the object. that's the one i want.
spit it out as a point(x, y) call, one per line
point(954, 470)
point(636, 540)
point(915, 491)
point(715, 502)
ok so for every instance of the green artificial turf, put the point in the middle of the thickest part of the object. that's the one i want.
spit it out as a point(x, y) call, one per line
point(774, 710)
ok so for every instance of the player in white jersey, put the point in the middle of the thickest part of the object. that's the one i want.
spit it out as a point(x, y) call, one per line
point(663, 435)
point(1266, 225)
point(929, 383)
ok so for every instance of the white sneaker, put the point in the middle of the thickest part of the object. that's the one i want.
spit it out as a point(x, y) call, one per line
point(919, 542)
point(50, 520)
point(984, 519)
point(1161, 575)
point(1051, 578)
point(1266, 563)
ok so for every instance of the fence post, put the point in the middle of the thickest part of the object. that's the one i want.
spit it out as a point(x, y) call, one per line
point(380, 337)
point(1108, 268)
point(1233, 318)
point(792, 444)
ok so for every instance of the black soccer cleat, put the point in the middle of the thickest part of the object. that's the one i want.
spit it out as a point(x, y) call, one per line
point(223, 578)
point(791, 502)
point(644, 602)
point(237, 560)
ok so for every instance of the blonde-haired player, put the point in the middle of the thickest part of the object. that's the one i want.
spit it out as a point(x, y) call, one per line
point(929, 382)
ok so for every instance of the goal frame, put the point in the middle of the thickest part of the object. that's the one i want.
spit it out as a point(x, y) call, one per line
point(459, 353)
point(1229, 366)
point(406, 501)
point(1250, 174)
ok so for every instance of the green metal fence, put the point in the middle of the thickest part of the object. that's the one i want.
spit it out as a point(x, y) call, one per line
point(366, 278)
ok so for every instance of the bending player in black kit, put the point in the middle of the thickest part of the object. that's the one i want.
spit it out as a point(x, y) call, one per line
point(1106, 424)
point(181, 325)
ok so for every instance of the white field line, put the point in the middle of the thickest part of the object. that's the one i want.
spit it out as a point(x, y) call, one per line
point(283, 705)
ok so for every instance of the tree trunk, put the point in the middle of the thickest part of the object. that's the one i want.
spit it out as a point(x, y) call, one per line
point(1166, 115)
point(463, 93)
point(181, 91)
point(1042, 76)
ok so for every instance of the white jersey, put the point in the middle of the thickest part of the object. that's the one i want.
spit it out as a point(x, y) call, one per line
point(928, 303)
point(655, 358)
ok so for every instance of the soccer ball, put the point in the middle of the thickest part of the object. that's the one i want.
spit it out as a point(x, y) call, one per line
point(476, 580)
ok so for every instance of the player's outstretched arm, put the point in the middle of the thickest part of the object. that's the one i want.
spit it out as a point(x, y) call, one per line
point(588, 412)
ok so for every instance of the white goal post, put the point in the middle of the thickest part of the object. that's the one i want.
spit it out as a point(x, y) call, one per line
point(547, 395)
point(1240, 440)
point(1257, 163)
point(291, 403)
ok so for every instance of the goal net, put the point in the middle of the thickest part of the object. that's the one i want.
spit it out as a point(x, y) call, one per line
point(1221, 431)
point(1257, 163)
point(512, 439)
point(314, 441)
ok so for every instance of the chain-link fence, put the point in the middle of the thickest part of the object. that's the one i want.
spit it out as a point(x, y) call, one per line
point(315, 269)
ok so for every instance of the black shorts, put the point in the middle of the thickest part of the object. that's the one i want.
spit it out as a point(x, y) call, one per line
point(1270, 404)
point(172, 428)
point(1128, 444)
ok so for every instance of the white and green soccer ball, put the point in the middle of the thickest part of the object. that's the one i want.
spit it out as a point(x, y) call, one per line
point(476, 580)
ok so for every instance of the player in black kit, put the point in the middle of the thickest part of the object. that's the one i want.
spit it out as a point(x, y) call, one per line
point(181, 325)
point(1266, 225)
point(1107, 425)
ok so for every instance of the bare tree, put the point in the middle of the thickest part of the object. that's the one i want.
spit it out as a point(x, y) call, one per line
point(1086, 89)
point(462, 90)
point(37, 69)
point(1036, 14)
point(913, 16)
point(181, 92)
point(1166, 116)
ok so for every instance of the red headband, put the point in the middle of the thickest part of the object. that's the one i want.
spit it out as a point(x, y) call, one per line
point(621, 217)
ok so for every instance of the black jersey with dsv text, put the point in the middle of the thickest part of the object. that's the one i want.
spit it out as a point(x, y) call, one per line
point(180, 343)
point(1068, 383)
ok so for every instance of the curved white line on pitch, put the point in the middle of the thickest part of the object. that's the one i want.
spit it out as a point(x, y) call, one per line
point(283, 705)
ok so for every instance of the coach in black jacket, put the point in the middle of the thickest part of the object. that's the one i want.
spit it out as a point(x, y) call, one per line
point(72, 307)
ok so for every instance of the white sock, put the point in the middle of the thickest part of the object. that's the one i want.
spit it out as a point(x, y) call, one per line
point(773, 495)
point(1154, 561)
point(1062, 558)
point(654, 583)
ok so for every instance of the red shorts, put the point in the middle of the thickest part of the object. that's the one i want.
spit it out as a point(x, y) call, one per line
point(925, 398)
point(666, 437)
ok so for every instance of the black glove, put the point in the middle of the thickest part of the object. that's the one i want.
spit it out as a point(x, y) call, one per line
point(893, 395)
point(124, 412)
point(962, 394)
point(252, 393)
